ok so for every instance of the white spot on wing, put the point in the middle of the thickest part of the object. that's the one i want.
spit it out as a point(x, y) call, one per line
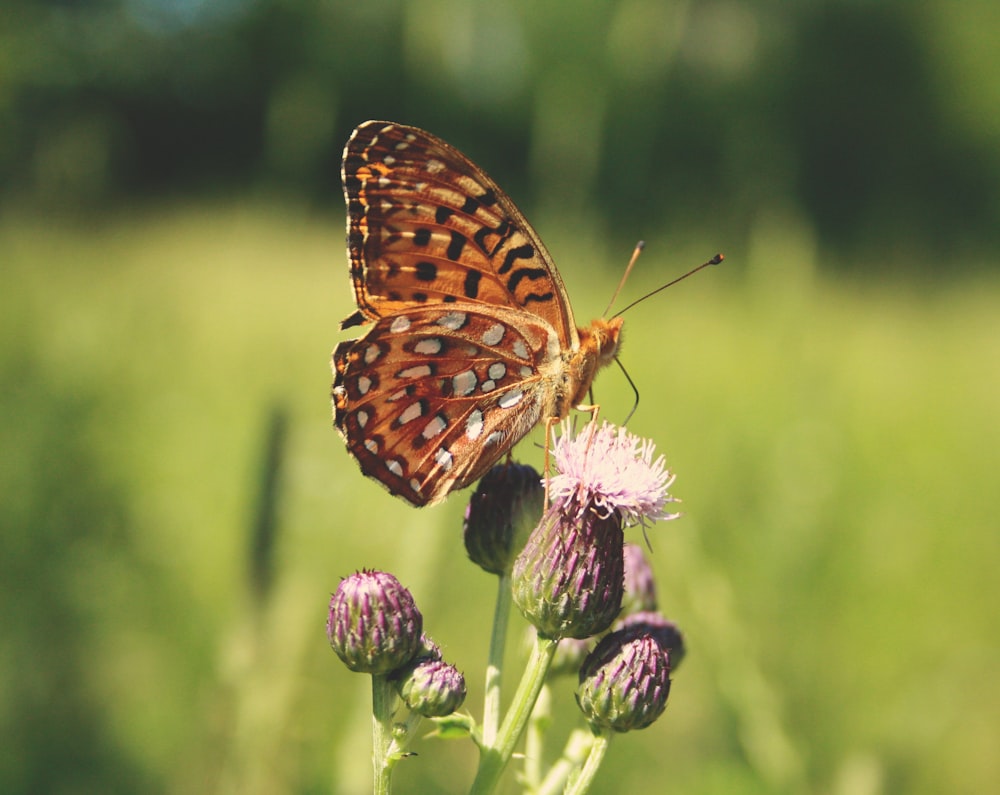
point(434, 166)
point(497, 371)
point(410, 413)
point(494, 438)
point(434, 427)
point(399, 324)
point(372, 352)
point(493, 334)
point(371, 446)
point(444, 459)
point(417, 371)
point(453, 320)
point(362, 417)
point(428, 346)
point(474, 425)
point(463, 383)
point(395, 467)
point(364, 384)
point(520, 349)
point(510, 399)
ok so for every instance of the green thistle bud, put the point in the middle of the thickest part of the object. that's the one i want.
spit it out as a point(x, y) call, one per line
point(567, 581)
point(373, 624)
point(664, 631)
point(504, 507)
point(640, 587)
point(624, 683)
point(432, 688)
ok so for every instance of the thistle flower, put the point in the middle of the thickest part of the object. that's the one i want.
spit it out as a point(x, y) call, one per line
point(373, 623)
point(640, 587)
point(504, 507)
point(610, 470)
point(624, 682)
point(432, 688)
point(568, 579)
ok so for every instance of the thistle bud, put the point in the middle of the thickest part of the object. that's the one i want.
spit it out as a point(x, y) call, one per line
point(504, 507)
point(664, 631)
point(640, 587)
point(624, 683)
point(567, 581)
point(432, 688)
point(373, 623)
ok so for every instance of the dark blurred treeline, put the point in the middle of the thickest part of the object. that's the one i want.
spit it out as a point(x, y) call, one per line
point(877, 122)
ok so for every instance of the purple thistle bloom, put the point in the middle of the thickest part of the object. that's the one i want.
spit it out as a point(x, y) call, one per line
point(373, 624)
point(608, 469)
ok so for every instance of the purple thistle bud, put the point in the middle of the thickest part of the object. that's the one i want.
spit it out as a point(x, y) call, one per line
point(640, 587)
point(624, 683)
point(502, 510)
point(432, 688)
point(664, 631)
point(373, 624)
point(567, 581)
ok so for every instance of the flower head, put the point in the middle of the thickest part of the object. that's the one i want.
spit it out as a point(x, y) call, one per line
point(432, 688)
point(624, 682)
point(373, 623)
point(504, 507)
point(610, 469)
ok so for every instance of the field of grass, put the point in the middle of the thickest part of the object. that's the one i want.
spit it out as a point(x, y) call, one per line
point(835, 572)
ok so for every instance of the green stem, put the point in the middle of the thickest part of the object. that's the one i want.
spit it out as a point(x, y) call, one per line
point(580, 783)
point(383, 699)
point(494, 665)
point(577, 749)
point(534, 738)
point(493, 759)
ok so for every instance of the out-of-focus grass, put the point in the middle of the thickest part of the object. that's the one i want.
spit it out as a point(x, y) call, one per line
point(836, 450)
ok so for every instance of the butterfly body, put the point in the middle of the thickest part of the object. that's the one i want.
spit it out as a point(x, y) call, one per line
point(473, 341)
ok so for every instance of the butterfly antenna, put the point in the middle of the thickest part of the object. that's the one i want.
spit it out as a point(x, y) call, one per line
point(635, 390)
point(714, 261)
point(631, 264)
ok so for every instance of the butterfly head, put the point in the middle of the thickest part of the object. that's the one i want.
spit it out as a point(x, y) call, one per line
point(598, 348)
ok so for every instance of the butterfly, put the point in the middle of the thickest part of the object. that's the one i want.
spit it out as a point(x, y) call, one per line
point(473, 341)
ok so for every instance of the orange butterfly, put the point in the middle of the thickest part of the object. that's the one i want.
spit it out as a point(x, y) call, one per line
point(473, 342)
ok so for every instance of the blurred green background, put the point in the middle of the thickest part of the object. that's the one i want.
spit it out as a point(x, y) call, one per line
point(176, 506)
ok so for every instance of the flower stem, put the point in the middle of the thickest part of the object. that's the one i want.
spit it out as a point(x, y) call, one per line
point(383, 698)
point(580, 783)
point(577, 749)
point(493, 759)
point(494, 665)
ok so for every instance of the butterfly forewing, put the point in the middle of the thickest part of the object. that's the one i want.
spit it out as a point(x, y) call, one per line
point(426, 225)
point(473, 340)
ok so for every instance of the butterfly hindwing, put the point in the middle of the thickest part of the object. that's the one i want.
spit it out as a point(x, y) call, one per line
point(429, 400)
